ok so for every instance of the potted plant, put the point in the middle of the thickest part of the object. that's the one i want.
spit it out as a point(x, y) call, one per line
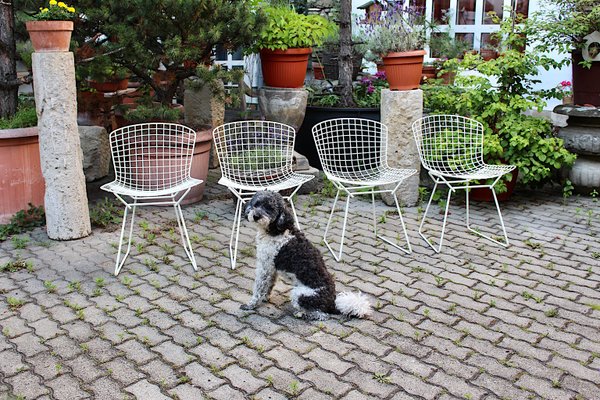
point(568, 26)
point(286, 42)
point(22, 181)
point(499, 97)
point(565, 89)
point(398, 36)
point(52, 26)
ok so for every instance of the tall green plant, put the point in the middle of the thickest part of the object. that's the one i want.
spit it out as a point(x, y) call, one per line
point(499, 97)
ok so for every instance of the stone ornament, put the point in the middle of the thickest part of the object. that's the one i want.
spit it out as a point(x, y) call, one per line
point(591, 39)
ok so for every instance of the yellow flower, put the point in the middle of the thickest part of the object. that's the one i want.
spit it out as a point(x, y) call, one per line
point(61, 4)
point(44, 10)
point(71, 9)
point(53, 2)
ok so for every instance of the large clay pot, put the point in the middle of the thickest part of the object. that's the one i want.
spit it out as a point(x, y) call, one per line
point(200, 164)
point(403, 69)
point(21, 179)
point(284, 68)
point(47, 36)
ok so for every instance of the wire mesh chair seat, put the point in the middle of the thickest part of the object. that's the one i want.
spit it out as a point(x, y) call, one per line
point(451, 150)
point(152, 164)
point(255, 156)
point(353, 153)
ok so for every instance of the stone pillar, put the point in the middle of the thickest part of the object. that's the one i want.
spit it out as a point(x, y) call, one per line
point(284, 105)
point(203, 108)
point(399, 109)
point(66, 203)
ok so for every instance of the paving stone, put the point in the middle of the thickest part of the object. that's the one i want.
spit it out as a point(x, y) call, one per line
point(173, 353)
point(187, 392)
point(288, 360)
point(66, 387)
point(84, 368)
point(243, 379)
point(227, 393)
point(136, 351)
point(100, 350)
point(250, 358)
point(146, 390)
point(10, 362)
point(26, 384)
point(13, 326)
point(106, 389)
point(65, 347)
point(457, 386)
point(202, 377)
point(161, 373)
point(270, 394)
point(369, 385)
point(123, 371)
point(326, 382)
point(212, 355)
point(328, 361)
point(283, 381)
point(542, 387)
point(29, 344)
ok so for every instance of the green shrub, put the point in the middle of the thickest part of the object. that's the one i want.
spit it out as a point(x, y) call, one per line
point(23, 220)
point(24, 118)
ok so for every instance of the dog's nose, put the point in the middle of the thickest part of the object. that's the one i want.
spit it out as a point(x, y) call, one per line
point(256, 217)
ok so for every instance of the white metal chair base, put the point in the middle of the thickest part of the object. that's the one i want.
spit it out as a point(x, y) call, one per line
point(451, 189)
point(359, 190)
point(159, 201)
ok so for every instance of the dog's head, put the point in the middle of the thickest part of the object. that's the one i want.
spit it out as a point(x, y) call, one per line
point(270, 211)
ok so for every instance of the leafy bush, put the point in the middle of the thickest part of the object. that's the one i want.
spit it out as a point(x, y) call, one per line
point(286, 28)
point(23, 220)
point(498, 97)
point(24, 118)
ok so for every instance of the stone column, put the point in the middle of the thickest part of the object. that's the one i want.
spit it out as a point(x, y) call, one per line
point(66, 203)
point(202, 107)
point(399, 109)
point(284, 105)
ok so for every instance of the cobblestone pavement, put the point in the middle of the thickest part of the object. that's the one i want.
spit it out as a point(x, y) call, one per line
point(475, 322)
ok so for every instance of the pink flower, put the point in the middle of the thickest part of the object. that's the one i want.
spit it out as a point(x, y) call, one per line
point(565, 83)
point(370, 89)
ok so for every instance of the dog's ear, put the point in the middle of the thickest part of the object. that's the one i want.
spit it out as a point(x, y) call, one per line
point(285, 220)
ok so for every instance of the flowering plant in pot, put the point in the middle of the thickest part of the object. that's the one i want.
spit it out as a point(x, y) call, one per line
point(565, 88)
point(51, 27)
point(398, 36)
point(285, 44)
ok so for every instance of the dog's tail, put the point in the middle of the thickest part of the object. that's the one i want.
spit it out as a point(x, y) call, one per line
point(353, 304)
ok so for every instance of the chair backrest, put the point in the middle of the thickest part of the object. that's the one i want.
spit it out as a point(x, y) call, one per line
point(254, 153)
point(347, 147)
point(152, 156)
point(449, 144)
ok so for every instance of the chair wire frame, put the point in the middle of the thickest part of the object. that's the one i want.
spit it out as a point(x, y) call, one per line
point(451, 149)
point(152, 163)
point(254, 156)
point(353, 153)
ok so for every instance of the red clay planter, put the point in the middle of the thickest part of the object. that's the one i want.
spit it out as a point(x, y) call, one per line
point(50, 35)
point(403, 70)
point(284, 68)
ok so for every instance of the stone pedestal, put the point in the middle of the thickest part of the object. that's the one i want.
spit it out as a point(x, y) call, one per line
point(283, 105)
point(582, 137)
point(203, 108)
point(66, 203)
point(399, 109)
point(96, 152)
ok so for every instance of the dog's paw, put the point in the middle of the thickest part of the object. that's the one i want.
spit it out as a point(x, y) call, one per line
point(300, 314)
point(247, 307)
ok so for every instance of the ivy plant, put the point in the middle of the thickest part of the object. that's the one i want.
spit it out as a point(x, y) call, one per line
point(499, 94)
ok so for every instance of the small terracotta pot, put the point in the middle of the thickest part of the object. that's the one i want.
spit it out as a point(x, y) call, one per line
point(403, 70)
point(485, 194)
point(284, 68)
point(318, 71)
point(50, 36)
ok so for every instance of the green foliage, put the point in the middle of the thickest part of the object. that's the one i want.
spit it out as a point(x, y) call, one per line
point(153, 112)
point(105, 213)
point(23, 118)
point(259, 159)
point(101, 69)
point(563, 24)
point(498, 97)
point(286, 28)
point(397, 30)
point(217, 78)
point(56, 11)
point(22, 221)
point(142, 35)
point(367, 92)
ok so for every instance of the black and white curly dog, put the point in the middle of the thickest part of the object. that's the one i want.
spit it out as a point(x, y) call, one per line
point(282, 248)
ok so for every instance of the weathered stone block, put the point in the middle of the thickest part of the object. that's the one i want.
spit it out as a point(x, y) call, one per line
point(96, 152)
point(399, 109)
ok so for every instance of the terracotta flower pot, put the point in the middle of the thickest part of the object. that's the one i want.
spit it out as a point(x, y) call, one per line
point(318, 71)
point(485, 194)
point(21, 179)
point(284, 68)
point(429, 72)
point(403, 70)
point(47, 36)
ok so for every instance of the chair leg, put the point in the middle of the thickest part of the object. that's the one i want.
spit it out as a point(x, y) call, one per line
point(294, 211)
point(185, 237)
point(443, 224)
point(337, 257)
point(408, 249)
point(373, 212)
point(121, 259)
point(505, 244)
point(235, 233)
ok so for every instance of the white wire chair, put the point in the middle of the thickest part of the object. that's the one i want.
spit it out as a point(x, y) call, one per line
point(254, 156)
point(451, 149)
point(353, 153)
point(152, 164)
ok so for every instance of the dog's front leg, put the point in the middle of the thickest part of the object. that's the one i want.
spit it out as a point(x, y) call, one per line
point(263, 284)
